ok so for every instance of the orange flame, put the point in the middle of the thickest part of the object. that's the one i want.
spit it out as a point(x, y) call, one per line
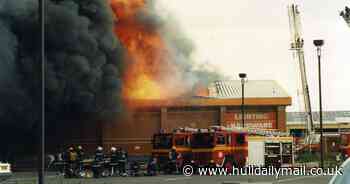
point(149, 60)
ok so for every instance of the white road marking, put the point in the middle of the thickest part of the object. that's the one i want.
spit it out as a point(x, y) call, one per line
point(177, 179)
point(294, 179)
point(29, 178)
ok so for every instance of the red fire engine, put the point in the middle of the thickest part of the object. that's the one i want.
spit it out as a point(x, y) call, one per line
point(219, 146)
point(345, 144)
point(179, 140)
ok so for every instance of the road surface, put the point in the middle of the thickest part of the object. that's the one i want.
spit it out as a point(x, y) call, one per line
point(30, 178)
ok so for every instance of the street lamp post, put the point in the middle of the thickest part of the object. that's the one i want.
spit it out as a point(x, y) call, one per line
point(41, 154)
point(243, 78)
point(319, 44)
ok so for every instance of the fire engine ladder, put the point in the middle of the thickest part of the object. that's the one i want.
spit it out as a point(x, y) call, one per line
point(185, 129)
point(252, 131)
point(346, 15)
point(297, 44)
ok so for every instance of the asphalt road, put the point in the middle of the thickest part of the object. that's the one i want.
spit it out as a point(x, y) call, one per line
point(29, 178)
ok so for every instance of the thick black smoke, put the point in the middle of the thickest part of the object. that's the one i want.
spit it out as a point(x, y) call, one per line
point(83, 58)
point(82, 65)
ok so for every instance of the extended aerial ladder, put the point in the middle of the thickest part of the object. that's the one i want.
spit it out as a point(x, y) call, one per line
point(346, 15)
point(297, 46)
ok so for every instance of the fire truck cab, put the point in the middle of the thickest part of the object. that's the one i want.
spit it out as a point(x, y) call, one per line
point(217, 146)
point(179, 140)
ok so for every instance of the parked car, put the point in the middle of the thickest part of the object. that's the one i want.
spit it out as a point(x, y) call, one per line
point(5, 171)
point(344, 178)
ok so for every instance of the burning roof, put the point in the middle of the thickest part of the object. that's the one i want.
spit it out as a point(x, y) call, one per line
point(225, 93)
point(252, 88)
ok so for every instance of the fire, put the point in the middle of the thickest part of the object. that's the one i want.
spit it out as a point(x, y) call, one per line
point(149, 64)
point(201, 91)
point(145, 88)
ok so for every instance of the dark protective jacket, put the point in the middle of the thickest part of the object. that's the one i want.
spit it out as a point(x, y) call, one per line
point(114, 157)
point(80, 155)
point(123, 156)
point(99, 156)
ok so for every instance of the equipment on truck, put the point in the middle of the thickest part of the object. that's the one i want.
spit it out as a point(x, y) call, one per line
point(346, 15)
point(266, 147)
point(138, 168)
point(297, 46)
point(270, 151)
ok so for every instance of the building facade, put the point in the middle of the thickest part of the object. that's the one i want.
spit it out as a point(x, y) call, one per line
point(265, 108)
point(333, 122)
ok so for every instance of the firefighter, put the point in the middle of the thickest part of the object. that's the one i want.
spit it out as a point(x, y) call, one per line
point(114, 160)
point(99, 155)
point(179, 162)
point(152, 166)
point(59, 156)
point(98, 164)
point(123, 156)
point(60, 159)
point(80, 157)
point(172, 160)
point(72, 155)
point(80, 153)
point(71, 161)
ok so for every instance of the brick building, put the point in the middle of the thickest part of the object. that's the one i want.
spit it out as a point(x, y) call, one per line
point(265, 104)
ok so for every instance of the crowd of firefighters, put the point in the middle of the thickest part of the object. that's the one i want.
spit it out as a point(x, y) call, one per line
point(73, 163)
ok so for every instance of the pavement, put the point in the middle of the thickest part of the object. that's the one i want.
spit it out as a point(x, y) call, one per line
point(51, 178)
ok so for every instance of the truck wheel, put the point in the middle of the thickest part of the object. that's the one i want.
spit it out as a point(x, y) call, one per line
point(88, 173)
point(106, 173)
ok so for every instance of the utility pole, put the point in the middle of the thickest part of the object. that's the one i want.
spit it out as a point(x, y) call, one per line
point(41, 154)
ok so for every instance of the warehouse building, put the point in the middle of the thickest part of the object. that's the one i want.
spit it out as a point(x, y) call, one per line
point(333, 122)
point(220, 104)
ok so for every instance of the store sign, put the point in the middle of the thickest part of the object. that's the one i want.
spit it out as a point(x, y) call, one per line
point(262, 120)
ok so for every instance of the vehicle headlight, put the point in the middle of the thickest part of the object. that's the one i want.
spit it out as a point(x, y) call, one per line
point(220, 154)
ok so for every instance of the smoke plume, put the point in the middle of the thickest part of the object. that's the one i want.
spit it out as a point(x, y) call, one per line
point(159, 63)
point(84, 58)
point(83, 65)
point(97, 52)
